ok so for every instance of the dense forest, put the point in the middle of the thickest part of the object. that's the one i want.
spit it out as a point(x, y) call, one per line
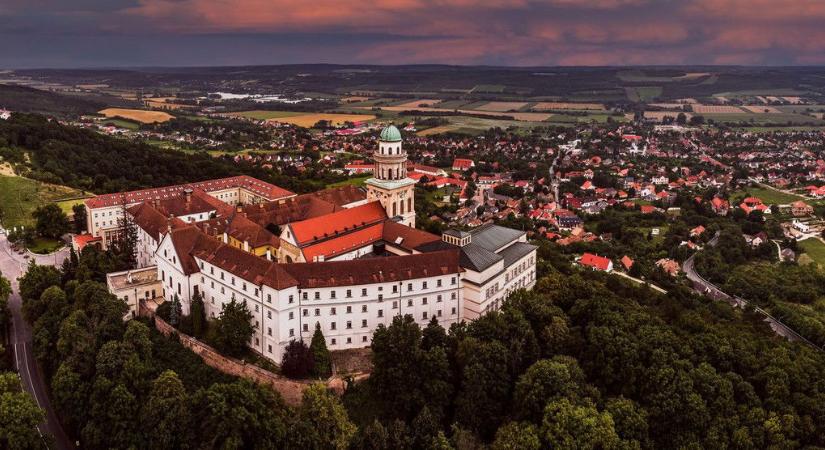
point(87, 160)
point(585, 360)
point(25, 99)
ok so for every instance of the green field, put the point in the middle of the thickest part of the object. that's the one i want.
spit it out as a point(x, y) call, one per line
point(354, 181)
point(66, 205)
point(780, 118)
point(648, 93)
point(768, 196)
point(19, 197)
point(122, 123)
point(44, 246)
point(815, 249)
point(264, 115)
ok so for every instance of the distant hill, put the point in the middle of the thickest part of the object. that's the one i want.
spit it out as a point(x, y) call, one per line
point(24, 99)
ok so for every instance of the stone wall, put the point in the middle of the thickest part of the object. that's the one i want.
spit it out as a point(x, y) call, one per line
point(290, 390)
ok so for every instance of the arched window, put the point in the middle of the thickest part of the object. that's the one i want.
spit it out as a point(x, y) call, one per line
point(402, 206)
point(409, 204)
point(394, 213)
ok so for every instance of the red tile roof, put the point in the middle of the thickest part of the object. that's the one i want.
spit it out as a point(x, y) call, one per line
point(375, 270)
point(259, 187)
point(323, 227)
point(595, 261)
point(344, 243)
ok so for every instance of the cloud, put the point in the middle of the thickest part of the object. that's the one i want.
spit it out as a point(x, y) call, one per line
point(516, 32)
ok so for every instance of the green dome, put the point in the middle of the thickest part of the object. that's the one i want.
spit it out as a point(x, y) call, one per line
point(390, 134)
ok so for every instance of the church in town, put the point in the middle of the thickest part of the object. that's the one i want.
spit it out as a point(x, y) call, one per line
point(347, 259)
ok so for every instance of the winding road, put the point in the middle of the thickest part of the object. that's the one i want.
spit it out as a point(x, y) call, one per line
point(709, 289)
point(12, 266)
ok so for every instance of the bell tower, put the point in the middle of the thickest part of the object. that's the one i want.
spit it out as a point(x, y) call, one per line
point(389, 183)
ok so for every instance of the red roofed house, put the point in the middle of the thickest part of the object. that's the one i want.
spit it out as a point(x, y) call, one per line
point(627, 262)
point(596, 262)
point(463, 164)
point(801, 209)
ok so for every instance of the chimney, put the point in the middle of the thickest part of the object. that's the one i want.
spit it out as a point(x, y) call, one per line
point(187, 193)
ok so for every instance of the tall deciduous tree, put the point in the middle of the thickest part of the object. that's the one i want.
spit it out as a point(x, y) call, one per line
point(51, 221)
point(19, 416)
point(166, 419)
point(233, 328)
point(298, 361)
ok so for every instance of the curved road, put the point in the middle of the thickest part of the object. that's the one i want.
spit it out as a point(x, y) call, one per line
point(12, 266)
point(709, 289)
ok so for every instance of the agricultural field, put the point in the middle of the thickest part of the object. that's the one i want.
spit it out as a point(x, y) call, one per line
point(121, 123)
point(717, 109)
point(308, 120)
point(518, 116)
point(138, 115)
point(19, 197)
point(779, 118)
point(502, 106)
point(767, 195)
point(424, 102)
point(815, 249)
point(265, 115)
point(659, 115)
point(647, 93)
point(762, 109)
point(550, 106)
point(491, 88)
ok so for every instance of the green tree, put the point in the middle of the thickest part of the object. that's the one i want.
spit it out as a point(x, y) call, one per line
point(297, 361)
point(79, 217)
point(19, 416)
point(566, 425)
point(233, 328)
point(241, 415)
point(516, 436)
point(32, 285)
point(51, 221)
point(323, 413)
point(166, 418)
point(197, 312)
point(548, 380)
point(322, 364)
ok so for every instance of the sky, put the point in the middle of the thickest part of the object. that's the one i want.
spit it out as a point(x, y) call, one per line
point(130, 33)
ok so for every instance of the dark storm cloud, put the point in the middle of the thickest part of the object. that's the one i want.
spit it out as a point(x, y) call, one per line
point(514, 32)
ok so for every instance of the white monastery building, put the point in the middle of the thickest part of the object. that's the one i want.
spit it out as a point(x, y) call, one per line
point(342, 258)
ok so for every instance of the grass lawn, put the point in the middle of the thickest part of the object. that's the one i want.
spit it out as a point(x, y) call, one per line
point(43, 246)
point(19, 197)
point(354, 181)
point(815, 249)
point(66, 205)
point(768, 196)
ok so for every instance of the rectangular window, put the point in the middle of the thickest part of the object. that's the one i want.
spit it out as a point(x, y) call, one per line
point(269, 298)
point(394, 289)
point(291, 315)
point(438, 283)
point(269, 331)
point(317, 312)
point(349, 309)
point(332, 295)
point(364, 308)
point(380, 313)
point(306, 327)
point(409, 287)
point(305, 295)
point(269, 314)
point(424, 285)
point(291, 332)
point(410, 303)
point(364, 323)
point(334, 341)
point(349, 293)
point(290, 299)
point(349, 340)
point(363, 292)
point(424, 301)
point(332, 326)
point(332, 311)
point(317, 296)
point(363, 339)
point(306, 312)
point(349, 325)
point(424, 315)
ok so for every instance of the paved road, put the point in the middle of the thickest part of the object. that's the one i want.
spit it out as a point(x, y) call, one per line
point(711, 290)
point(13, 265)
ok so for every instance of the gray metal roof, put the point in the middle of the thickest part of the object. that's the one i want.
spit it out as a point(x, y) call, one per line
point(515, 252)
point(492, 237)
point(478, 258)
